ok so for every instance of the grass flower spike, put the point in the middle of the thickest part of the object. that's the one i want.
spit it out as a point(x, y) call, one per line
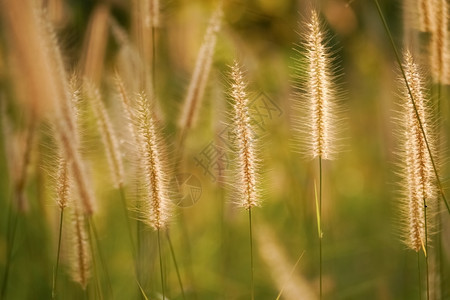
point(417, 170)
point(245, 142)
point(317, 94)
point(156, 208)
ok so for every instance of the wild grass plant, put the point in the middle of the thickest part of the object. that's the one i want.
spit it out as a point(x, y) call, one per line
point(132, 142)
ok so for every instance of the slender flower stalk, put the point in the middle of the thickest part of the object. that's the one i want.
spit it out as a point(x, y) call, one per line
point(316, 99)
point(247, 163)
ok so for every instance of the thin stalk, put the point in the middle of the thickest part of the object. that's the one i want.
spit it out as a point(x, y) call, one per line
point(187, 253)
point(94, 263)
point(19, 190)
point(11, 234)
point(127, 218)
point(100, 254)
point(161, 266)
point(439, 258)
point(176, 264)
point(420, 279)
point(320, 227)
point(397, 56)
point(426, 248)
point(55, 274)
point(251, 253)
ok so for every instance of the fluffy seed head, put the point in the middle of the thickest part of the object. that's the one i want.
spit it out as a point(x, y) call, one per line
point(418, 178)
point(245, 142)
point(62, 184)
point(316, 94)
point(156, 207)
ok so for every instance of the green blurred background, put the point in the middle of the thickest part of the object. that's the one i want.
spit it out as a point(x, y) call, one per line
point(362, 251)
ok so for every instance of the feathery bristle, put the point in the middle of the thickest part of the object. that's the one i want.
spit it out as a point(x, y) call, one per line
point(317, 95)
point(426, 15)
point(417, 169)
point(108, 135)
point(245, 141)
point(62, 184)
point(440, 53)
point(81, 257)
point(156, 208)
point(200, 76)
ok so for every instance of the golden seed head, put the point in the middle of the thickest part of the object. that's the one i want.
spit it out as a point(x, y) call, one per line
point(417, 169)
point(317, 95)
point(245, 141)
point(156, 207)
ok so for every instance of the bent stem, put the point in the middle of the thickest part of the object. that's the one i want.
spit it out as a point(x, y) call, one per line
point(175, 263)
point(161, 266)
point(55, 275)
point(397, 56)
point(252, 286)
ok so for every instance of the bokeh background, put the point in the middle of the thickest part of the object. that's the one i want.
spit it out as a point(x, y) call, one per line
point(362, 251)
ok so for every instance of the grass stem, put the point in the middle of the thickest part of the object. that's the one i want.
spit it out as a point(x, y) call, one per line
point(172, 251)
point(58, 251)
point(161, 266)
point(100, 254)
point(320, 227)
point(252, 286)
point(94, 263)
point(127, 218)
point(426, 247)
point(420, 279)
